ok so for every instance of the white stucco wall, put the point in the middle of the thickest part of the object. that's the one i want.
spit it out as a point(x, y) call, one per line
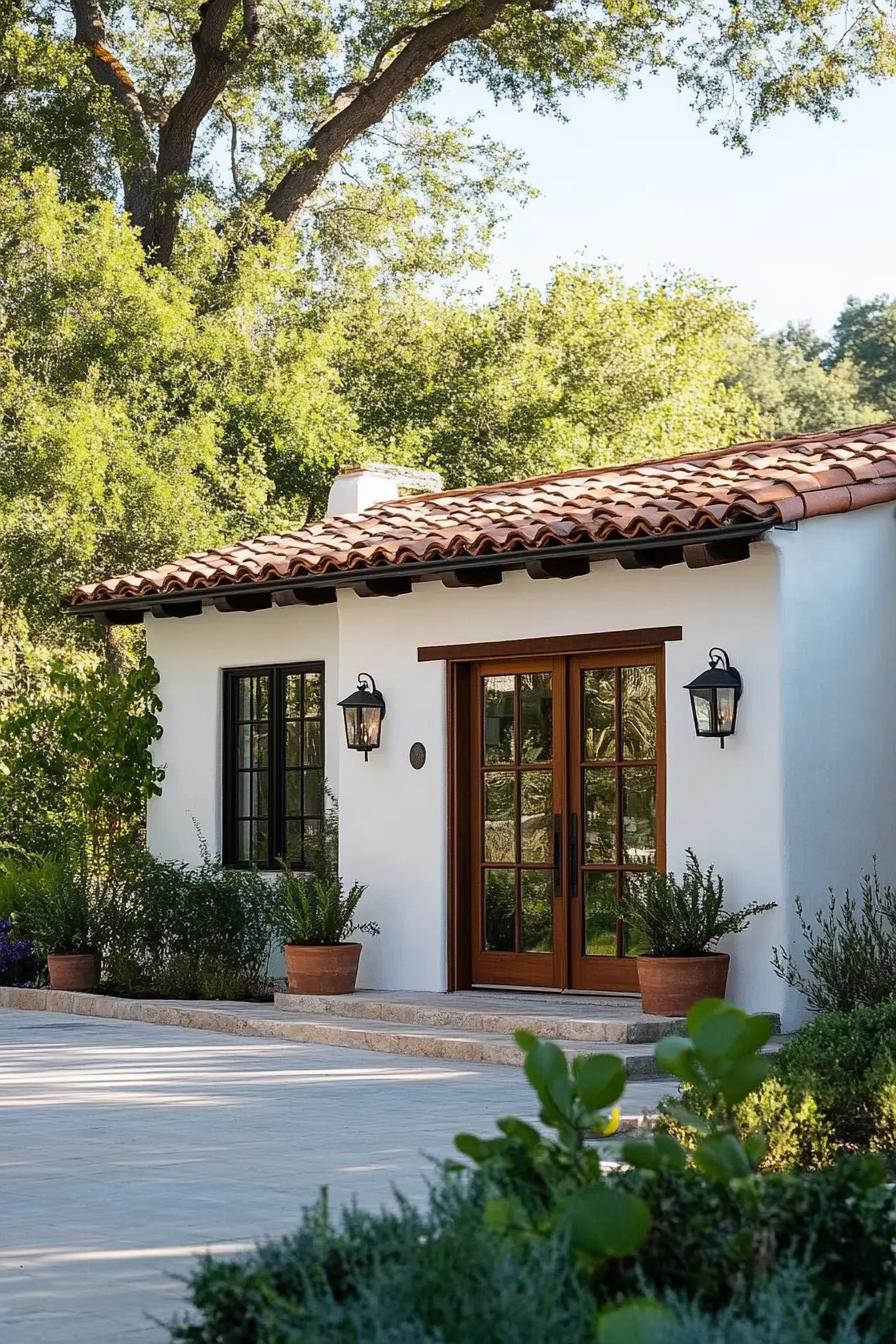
point(837, 578)
point(190, 655)
point(800, 798)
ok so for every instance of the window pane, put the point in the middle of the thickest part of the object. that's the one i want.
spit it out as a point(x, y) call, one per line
point(600, 914)
point(312, 694)
point(260, 833)
point(293, 793)
point(498, 718)
point(245, 794)
point(499, 838)
point(244, 747)
point(293, 706)
point(292, 834)
point(638, 713)
point(293, 745)
point(639, 814)
point(243, 841)
point(599, 714)
point(313, 793)
point(632, 945)
point(536, 817)
point(536, 914)
point(600, 816)
point(259, 746)
point(244, 698)
point(500, 910)
point(313, 731)
point(260, 708)
point(536, 716)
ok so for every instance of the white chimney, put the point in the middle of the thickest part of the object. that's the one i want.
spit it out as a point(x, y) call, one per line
point(357, 488)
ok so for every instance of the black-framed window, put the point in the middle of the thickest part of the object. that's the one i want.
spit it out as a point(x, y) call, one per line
point(273, 763)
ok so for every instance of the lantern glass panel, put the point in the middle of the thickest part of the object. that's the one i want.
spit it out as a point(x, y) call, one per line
point(725, 709)
point(369, 727)
point(352, 725)
point(702, 699)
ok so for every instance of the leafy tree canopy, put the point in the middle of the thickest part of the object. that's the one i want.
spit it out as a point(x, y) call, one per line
point(249, 106)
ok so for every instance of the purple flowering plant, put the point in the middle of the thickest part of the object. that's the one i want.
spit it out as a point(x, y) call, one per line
point(18, 961)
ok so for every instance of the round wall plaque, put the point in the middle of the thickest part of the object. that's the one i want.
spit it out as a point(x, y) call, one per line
point(418, 755)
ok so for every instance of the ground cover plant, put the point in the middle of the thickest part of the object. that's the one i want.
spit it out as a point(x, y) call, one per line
point(536, 1241)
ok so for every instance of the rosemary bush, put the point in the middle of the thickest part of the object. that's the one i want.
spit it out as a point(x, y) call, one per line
point(849, 952)
point(673, 918)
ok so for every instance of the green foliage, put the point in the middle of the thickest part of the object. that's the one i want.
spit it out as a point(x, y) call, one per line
point(849, 953)
point(57, 910)
point(408, 1276)
point(20, 875)
point(831, 1090)
point(315, 911)
point(76, 765)
point(174, 931)
point(672, 918)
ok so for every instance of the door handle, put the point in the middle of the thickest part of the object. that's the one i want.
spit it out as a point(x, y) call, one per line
point(558, 854)
point(573, 854)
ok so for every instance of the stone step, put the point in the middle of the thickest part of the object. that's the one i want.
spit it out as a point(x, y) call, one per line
point(424, 1040)
point(564, 1017)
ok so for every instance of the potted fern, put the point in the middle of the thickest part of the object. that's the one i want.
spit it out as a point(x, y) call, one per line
point(314, 916)
point(679, 924)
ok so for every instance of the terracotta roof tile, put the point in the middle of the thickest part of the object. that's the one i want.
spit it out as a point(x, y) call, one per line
point(781, 481)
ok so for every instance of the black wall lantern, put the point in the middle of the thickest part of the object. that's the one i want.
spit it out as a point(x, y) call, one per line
point(364, 712)
point(714, 697)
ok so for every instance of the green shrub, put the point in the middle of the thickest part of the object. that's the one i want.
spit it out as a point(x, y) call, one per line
point(436, 1276)
point(671, 918)
point(20, 875)
point(832, 1090)
point(179, 932)
point(850, 950)
point(810, 1262)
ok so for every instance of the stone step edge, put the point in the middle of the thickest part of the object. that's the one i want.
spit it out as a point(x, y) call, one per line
point(642, 1031)
point(372, 1036)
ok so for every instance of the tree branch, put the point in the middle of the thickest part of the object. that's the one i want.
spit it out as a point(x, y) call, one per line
point(109, 72)
point(357, 107)
point(213, 66)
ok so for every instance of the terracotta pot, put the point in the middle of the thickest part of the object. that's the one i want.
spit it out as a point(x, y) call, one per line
point(73, 970)
point(672, 985)
point(322, 970)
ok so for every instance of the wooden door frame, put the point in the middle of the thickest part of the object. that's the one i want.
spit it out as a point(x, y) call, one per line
point(459, 660)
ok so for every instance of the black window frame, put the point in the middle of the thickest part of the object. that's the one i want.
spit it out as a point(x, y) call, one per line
point(277, 674)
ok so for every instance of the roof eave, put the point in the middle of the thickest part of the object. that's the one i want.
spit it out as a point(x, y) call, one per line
point(347, 578)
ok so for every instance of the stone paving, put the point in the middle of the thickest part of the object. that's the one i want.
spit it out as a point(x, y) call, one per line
point(128, 1148)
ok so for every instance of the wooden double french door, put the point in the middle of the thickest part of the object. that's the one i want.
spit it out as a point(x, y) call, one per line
point(567, 795)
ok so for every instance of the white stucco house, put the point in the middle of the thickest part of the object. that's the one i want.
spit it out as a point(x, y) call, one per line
point(532, 642)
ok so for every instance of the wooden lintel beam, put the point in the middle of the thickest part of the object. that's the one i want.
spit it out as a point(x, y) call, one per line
point(383, 587)
point(178, 610)
point(473, 577)
point(653, 557)
point(242, 602)
point(705, 554)
point(559, 567)
point(304, 597)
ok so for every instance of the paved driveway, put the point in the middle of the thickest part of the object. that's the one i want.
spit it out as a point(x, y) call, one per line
point(127, 1149)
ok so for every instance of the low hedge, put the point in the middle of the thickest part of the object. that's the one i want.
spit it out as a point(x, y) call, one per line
point(831, 1091)
point(788, 1259)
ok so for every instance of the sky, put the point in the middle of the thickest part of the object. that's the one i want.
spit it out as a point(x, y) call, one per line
point(795, 228)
